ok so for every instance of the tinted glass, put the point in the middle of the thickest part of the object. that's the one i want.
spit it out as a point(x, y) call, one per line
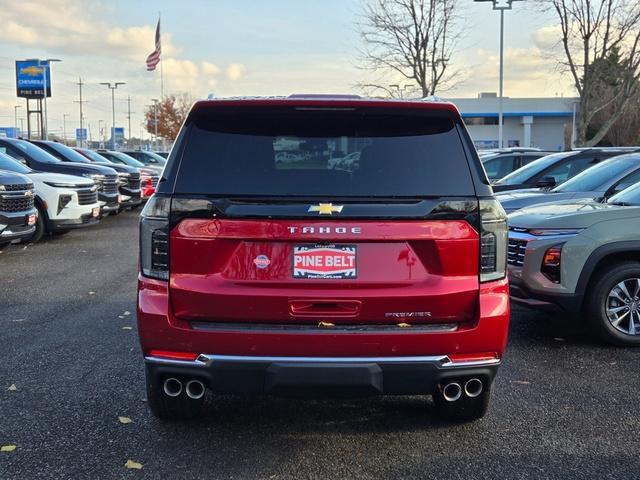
point(630, 196)
point(65, 152)
point(93, 156)
point(596, 177)
point(119, 157)
point(627, 181)
point(308, 152)
point(523, 174)
point(498, 167)
point(21, 149)
point(11, 164)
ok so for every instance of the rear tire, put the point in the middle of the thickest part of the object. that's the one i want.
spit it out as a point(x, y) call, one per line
point(465, 409)
point(603, 295)
point(165, 407)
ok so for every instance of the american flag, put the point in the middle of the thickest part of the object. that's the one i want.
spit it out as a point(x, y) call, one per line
point(154, 58)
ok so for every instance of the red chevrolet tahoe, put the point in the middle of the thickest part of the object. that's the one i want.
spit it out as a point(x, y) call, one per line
point(318, 245)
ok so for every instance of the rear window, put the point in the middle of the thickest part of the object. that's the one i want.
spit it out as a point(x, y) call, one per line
point(247, 151)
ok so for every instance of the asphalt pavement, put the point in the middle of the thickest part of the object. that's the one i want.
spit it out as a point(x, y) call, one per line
point(564, 406)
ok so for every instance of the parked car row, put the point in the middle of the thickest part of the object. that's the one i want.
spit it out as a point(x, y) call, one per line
point(47, 187)
point(574, 237)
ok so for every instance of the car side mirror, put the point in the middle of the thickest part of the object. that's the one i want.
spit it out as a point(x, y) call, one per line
point(546, 182)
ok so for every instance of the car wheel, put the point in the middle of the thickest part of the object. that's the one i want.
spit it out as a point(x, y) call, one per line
point(41, 228)
point(165, 407)
point(465, 408)
point(613, 305)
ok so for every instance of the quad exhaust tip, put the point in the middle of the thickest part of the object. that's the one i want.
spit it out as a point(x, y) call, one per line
point(452, 392)
point(473, 387)
point(172, 387)
point(195, 389)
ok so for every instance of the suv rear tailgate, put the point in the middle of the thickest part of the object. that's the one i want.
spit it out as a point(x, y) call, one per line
point(389, 272)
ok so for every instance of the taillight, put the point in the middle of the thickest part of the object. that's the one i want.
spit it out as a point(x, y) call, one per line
point(550, 267)
point(493, 241)
point(154, 238)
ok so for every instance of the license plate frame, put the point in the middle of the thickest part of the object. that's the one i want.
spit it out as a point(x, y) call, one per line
point(324, 261)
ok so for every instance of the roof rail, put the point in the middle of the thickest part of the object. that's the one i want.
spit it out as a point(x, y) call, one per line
point(339, 96)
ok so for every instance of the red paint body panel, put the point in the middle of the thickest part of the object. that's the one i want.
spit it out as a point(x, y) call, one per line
point(159, 329)
point(404, 266)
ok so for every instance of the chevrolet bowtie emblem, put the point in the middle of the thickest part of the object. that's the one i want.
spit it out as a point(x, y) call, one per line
point(326, 208)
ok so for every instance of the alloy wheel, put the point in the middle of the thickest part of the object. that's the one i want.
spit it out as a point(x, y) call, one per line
point(623, 306)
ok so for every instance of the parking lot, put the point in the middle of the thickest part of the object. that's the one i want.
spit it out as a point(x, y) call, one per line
point(564, 406)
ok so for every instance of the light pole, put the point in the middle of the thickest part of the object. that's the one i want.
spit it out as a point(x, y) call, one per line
point(501, 5)
point(64, 127)
point(15, 117)
point(112, 87)
point(100, 136)
point(45, 65)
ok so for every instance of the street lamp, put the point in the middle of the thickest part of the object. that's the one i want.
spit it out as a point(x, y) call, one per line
point(500, 5)
point(64, 127)
point(45, 64)
point(15, 117)
point(112, 87)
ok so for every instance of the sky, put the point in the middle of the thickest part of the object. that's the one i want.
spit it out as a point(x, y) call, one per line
point(242, 47)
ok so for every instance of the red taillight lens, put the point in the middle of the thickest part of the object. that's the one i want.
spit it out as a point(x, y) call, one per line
point(171, 355)
point(551, 263)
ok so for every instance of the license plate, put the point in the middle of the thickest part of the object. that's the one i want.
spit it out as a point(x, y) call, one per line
point(324, 261)
point(95, 212)
point(32, 219)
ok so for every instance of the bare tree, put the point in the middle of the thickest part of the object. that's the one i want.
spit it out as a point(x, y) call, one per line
point(409, 39)
point(593, 31)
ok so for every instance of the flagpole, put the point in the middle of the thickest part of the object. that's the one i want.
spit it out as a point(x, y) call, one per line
point(161, 63)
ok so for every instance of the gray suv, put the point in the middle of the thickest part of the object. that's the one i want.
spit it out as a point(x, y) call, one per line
point(582, 257)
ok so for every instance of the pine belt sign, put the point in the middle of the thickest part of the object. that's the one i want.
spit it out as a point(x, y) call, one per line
point(30, 78)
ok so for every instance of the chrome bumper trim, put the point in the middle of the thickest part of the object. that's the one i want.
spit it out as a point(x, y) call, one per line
point(206, 360)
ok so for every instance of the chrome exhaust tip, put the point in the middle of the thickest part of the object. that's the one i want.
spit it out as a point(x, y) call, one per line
point(172, 387)
point(473, 387)
point(195, 389)
point(452, 392)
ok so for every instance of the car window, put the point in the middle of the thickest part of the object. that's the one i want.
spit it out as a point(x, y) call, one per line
point(627, 181)
point(22, 150)
point(596, 177)
point(569, 169)
point(65, 152)
point(524, 174)
point(280, 152)
point(528, 158)
point(9, 163)
point(630, 196)
point(498, 167)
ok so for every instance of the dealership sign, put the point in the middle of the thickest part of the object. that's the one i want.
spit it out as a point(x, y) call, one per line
point(30, 78)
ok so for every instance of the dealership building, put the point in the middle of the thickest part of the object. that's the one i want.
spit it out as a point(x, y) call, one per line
point(546, 123)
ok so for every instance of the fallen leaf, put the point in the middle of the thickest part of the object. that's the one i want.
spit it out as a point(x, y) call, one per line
point(127, 328)
point(12, 387)
point(24, 248)
point(92, 293)
point(7, 448)
point(559, 339)
point(521, 382)
point(612, 363)
point(132, 464)
point(126, 312)
point(326, 324)
point(124, 420)
point(404, 325)
point(120, 316)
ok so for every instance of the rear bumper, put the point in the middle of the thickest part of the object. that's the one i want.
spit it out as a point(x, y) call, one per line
point(364, 375)
point(394, 361)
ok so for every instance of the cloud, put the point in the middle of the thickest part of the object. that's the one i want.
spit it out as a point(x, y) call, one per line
point(235, 71)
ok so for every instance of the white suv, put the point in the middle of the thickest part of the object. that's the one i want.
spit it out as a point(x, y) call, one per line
point(64, 202)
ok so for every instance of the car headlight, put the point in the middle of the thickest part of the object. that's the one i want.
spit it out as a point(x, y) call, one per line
point(547, 232)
